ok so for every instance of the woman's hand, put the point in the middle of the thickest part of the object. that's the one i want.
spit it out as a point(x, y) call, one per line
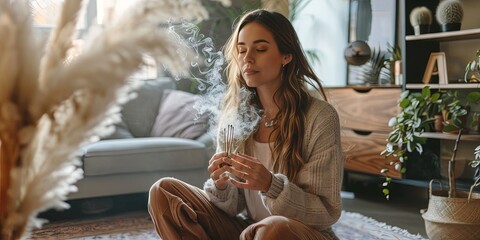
point(217, 170)
point(255, 176)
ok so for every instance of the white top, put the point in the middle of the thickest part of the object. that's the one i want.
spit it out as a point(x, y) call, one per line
point(256, 207)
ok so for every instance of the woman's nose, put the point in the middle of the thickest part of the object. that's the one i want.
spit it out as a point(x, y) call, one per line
point(248, 58)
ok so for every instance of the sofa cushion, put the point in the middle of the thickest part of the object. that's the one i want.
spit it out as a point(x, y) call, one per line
point(119, 156)
point(140, 113)
point(177, 117)
point(121, 131)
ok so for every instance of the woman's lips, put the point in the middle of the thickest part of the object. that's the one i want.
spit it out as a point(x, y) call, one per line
point(249, 72)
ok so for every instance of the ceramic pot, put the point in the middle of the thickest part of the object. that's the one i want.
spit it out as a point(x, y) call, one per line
point(450, 27)
point(421, 29)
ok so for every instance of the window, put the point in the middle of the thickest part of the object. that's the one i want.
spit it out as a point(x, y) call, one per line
point(46, 12)
point(322, 27)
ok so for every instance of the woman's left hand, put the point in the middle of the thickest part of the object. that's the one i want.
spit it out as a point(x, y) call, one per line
point(255, 176)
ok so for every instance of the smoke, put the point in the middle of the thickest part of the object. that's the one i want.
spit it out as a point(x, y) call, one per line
point(206, 70)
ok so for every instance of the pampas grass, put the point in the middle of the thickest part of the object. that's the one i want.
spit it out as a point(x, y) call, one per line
point(49, 107)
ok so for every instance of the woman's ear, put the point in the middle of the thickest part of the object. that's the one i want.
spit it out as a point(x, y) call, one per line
point(287, 58)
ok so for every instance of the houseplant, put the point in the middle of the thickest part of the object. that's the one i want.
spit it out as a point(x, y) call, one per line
point(421, 19)
point(449, 15)
point(374, 71)
point(454, 112)
point(452, 214)
point(417, 115)
point(473, 101)
point(393, 63)
point(472, 70)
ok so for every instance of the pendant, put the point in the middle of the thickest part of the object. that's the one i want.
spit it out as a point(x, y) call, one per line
point(271, 123)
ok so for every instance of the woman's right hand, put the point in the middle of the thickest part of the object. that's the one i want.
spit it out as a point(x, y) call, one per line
point(217, 172)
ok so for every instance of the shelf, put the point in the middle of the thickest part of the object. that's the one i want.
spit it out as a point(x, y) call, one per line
point(443, 86)
point(462, 184)
point(468, 34)
point(451, 136)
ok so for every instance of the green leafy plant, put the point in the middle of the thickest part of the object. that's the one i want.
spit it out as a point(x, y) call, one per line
point(395, 54)
point(415, 117)
point(417, 110)
point(476, 162)
point(453, 111)
point(474, 65)
point(372, 72)
point(472, 70)
point(473, 99)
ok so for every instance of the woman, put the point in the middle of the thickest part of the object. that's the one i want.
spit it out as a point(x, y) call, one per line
point(286, 177)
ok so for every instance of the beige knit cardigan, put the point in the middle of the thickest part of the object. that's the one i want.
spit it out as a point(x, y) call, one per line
point(315, 198)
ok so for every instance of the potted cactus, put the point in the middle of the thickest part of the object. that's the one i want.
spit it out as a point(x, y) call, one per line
point(449, 15)
point(421, 19)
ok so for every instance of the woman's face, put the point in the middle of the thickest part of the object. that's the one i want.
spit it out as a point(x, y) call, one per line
point(259, 59)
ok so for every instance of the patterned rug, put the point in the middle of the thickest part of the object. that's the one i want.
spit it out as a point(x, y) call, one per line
point(138, 226)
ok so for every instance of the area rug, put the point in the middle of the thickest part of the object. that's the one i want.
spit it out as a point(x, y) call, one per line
point(138, 226)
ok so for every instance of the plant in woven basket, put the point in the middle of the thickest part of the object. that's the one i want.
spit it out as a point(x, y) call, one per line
point(51, 105)
point(452, 214)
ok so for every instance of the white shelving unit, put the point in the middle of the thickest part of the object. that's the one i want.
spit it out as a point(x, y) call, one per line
point(447, 36)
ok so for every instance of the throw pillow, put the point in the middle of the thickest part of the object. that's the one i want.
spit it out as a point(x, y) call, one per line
point(139, 113)
point(177, 117)
point(121, 131)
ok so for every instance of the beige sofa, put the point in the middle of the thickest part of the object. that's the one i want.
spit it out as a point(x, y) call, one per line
point(158, 137)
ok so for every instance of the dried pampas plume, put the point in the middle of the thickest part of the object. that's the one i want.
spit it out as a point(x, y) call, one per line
point(49, 108)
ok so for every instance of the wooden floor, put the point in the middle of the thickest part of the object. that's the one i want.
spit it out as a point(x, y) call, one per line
point(402, 210)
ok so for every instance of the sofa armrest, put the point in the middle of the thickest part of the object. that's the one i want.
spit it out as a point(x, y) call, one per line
point(208, 140)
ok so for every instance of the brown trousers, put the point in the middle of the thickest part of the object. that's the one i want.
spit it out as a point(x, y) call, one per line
point(182, 211)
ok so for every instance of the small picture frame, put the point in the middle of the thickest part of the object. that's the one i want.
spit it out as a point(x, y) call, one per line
point(437, 65)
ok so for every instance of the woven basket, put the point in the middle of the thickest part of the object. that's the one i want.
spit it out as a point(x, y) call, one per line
point(452, 218)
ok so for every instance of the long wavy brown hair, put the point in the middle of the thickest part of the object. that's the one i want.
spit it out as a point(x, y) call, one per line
point(288, 134)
